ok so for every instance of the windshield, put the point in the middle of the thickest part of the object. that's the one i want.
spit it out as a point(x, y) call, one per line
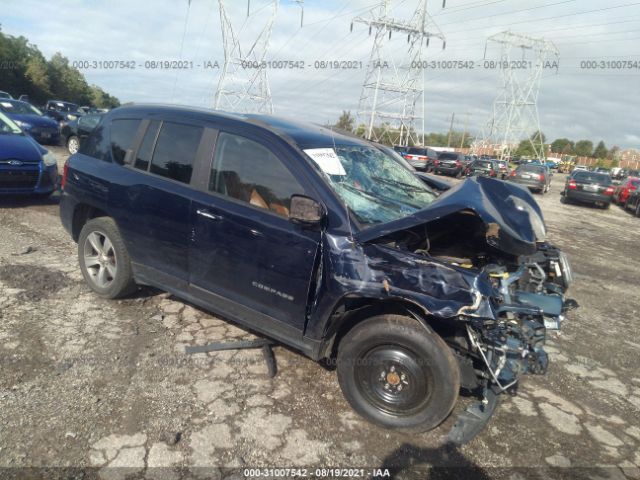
point(64, 106)
point(374, 185)
point(592, 177)
point(7, 127)
point(20, 108)
point(484, 164)
point(448, 156)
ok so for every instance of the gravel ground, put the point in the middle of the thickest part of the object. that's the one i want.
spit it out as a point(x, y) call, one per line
point(106, 385)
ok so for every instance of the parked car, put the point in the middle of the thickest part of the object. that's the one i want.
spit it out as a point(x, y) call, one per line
point(31, 120)
point(588, 187)
point(434, 183)
point(62, 111)
point(483, 168)
point(327, 244)
point(536, 178)
point(5, 95)
point(76, 131)
point(602, 170)
point(623, 190)
point(25, 166)
point(503, 168)
point(421, 158)
point(449, 163)
point(633, 202)
point(584, 168)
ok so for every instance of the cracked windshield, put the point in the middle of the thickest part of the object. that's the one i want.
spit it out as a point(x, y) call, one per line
point(375, 187)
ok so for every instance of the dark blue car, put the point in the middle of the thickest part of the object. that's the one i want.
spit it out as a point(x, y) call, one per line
point(32, 121)
point(328, 244)
point(25, 166)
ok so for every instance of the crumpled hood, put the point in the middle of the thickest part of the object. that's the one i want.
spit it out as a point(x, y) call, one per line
point(513, 219)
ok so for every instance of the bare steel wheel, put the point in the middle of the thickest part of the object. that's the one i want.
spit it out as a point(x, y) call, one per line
point(104, 260)
point(398, 373)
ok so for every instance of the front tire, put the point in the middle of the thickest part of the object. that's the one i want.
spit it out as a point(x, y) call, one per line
point(104, 260)
point(398, 373)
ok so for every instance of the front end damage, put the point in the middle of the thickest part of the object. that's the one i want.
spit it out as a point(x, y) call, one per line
point(478, 267)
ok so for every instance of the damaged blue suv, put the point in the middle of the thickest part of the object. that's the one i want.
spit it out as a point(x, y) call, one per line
point(328, 244)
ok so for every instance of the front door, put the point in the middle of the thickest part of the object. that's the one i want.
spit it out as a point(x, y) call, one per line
point(246, 253)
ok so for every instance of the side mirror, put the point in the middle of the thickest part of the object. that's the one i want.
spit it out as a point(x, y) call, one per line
point(305, 210)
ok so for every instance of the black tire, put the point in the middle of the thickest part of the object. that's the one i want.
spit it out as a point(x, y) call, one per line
point(115, 254)
point(638, 209)
point(398, 373)
point(564, 199)
point(606, 206)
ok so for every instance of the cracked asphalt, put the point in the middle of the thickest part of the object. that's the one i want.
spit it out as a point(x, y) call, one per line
point(106, 385)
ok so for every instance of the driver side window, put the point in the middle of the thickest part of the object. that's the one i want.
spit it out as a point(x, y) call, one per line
point(248, 171)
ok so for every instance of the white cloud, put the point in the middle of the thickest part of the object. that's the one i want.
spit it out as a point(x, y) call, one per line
point(576, 103)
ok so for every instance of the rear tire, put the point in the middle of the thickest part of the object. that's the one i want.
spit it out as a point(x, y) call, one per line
point(397, 373)
point(104, 260)
point(73, 144)
point(638, 209)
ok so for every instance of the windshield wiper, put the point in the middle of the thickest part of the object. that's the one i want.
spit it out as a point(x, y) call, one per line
point(395, 183)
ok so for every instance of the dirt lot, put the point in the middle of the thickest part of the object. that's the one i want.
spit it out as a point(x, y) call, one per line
point(86, 382)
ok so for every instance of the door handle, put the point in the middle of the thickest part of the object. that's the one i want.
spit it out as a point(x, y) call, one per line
point(207, 214)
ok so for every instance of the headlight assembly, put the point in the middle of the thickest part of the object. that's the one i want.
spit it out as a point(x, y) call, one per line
point(23, 125)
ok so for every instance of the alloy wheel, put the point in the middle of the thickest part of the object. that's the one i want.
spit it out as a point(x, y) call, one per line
point(100, 259)
point(74, 145)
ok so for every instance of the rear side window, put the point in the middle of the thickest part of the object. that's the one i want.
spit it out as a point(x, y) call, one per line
point(247, 171)
point(122, 134)
point(175, 151)
point(143, 159)
point(89, 122)
point(531, 168)
point(448, 156)
point(416, 151)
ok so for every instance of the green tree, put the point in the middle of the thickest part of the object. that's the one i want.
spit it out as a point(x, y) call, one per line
point(25, 70)
point(345, 122)
point(562, 145)
point(600, 151)
point(584, 148)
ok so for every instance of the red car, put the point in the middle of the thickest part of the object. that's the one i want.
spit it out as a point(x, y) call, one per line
point(623, 190)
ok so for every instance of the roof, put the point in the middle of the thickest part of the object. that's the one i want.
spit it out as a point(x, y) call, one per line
point(301, 133)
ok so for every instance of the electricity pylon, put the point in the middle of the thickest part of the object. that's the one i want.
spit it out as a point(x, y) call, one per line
point(244, 85)
point(515, 109)
point(387, 106)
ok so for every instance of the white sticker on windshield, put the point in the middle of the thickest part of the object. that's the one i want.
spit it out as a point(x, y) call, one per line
point(60, 104)
point(6, 104)
point(327, 159)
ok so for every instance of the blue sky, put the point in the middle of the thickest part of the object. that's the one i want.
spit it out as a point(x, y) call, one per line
point(574, 102)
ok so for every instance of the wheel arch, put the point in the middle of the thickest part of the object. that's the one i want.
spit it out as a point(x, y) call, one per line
point(349, 312)
point(82, 213)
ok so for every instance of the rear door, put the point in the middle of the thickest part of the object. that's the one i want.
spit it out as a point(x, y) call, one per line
point(247, 256)
point(154, 204)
